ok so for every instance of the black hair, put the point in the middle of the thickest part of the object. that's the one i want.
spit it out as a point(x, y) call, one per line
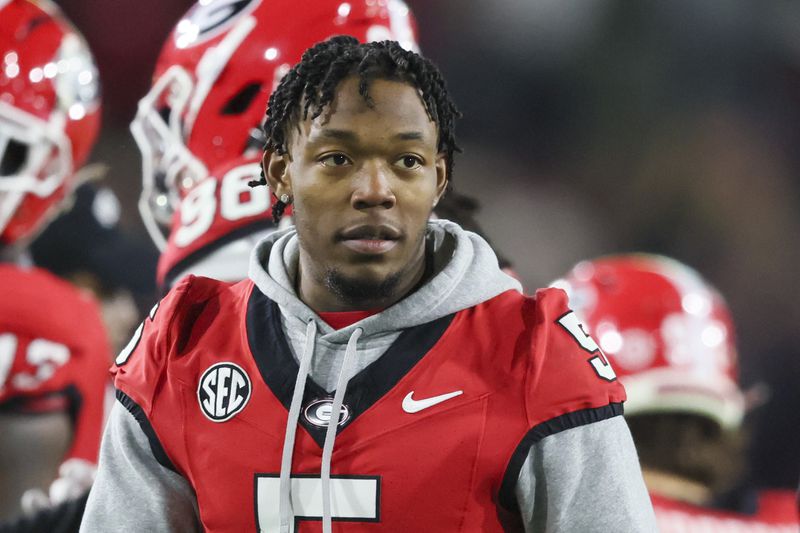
point(311, 85)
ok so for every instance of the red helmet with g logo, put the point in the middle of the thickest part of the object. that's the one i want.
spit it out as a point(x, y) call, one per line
point(49, 113)
point(214, 77)
point(668, 334)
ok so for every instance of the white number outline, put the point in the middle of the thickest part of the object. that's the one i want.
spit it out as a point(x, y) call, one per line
point(572, 325)
point(45, 355)
point(199, 208)
point(8, 352)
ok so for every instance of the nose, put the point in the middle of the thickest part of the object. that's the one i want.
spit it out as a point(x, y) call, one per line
point(373, 188)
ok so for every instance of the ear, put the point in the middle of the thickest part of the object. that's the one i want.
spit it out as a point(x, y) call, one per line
point(441, 177)
point(275, 167)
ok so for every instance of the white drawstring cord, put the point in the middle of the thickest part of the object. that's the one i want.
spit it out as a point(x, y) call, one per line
point(285, 503)
point(333, 424)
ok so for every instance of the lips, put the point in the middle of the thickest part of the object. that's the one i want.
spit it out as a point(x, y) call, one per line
point(370, 239)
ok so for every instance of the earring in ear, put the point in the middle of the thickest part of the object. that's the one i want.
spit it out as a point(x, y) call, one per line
point(279, 207)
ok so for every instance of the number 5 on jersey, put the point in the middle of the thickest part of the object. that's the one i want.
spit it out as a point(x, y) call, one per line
point(599, 362)
point(353, 499)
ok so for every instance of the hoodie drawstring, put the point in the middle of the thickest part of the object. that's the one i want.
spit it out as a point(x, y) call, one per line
point(285, 501)
point(333, 424)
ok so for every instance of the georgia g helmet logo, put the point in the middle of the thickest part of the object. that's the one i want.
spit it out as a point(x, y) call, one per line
point(207, 19)
point(223, 391)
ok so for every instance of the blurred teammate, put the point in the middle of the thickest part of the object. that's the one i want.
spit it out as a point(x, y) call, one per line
point(671, 340)
point(54, 353)
point(199, 126)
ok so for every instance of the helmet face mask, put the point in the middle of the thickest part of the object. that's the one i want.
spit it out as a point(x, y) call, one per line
point(49, 114)
point(214, 77)
point(668, 334)
point(167, 164)
point(35, 155)
point(34, 163)
point(166, 114)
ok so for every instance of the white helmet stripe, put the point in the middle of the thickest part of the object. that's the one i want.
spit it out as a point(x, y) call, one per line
point(212, 64)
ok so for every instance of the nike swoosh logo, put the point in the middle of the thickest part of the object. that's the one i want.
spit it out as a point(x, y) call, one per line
point(411, 405)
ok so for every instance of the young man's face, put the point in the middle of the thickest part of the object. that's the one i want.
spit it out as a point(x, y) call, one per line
point(364, 181)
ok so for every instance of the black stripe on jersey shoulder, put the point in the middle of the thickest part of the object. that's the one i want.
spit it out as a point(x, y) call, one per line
point(279, 368)
point(155, 445)
point(555, 425)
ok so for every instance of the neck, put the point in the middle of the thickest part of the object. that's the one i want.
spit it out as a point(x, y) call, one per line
point(676, 487)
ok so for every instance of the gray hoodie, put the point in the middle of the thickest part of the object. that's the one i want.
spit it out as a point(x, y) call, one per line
point(563, 485)
point(465, 273)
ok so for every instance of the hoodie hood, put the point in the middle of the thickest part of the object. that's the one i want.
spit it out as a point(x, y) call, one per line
point(465, 273)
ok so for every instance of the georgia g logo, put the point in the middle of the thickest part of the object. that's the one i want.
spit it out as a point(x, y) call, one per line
point(223, 391)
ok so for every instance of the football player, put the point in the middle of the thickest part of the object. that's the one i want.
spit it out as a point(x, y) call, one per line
point(378, 371)
point(54, 352)
point(199, 126)
point(670, 337)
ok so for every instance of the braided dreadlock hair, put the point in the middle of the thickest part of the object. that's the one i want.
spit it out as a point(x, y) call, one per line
point(311, 86)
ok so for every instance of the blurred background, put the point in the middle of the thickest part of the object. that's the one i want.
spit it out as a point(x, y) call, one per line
point(590, 128)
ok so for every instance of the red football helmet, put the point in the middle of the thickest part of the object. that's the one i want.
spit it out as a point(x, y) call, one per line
point(49, 113)
point(668, 333)
point(217, 224)
point(214, 77)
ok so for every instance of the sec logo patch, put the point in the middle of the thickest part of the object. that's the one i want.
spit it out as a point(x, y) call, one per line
point(223, 391)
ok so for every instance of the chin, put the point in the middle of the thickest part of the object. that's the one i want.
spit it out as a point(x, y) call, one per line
point(362, 284)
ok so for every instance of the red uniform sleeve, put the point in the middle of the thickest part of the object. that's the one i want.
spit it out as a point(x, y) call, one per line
point(568, 372)
point(139, 369)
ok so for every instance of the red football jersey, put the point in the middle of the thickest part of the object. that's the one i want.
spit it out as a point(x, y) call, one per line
point(54, 353)
point(218, 210)
point(776, 513)
point(433, 433)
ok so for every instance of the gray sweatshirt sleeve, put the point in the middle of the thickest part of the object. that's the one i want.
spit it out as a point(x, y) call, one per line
point(585, 479)
point(133, 492)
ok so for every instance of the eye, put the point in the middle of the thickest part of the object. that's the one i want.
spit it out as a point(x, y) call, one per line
point(410, 162)
point(335, 160)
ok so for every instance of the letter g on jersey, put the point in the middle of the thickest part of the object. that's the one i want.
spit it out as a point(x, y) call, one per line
point(223, 391)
